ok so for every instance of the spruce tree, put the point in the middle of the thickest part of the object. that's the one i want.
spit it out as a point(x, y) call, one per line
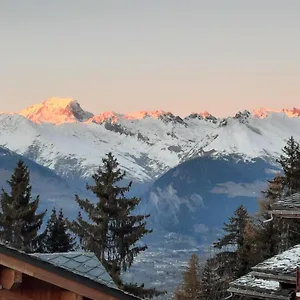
point(241, 254)
point(212, 284)
point(19, 220)
point(234, 229)
point(290, 163)
point(58, 239)
point(190, 288)
point(270, 233)
point(248, 255)
point(112, 230)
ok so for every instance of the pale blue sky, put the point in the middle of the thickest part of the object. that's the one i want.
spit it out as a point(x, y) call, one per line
point(127, 55)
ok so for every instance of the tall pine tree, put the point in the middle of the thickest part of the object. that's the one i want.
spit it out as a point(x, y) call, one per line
point(290, 163)
point(240, 254)
point(19, 220)
point(213, 285)
point(112, 231)
point(234, 229)
point(58, 239)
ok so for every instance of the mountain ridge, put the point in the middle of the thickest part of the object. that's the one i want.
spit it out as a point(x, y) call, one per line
point(145, 147)
point(64, 110)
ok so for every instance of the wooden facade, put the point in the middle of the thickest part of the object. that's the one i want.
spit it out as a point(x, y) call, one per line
point(25, 277)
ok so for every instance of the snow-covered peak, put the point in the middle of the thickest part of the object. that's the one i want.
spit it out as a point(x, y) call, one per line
point(144, 114)
point(56, 111)
point(262, 113)
point(114, 117)
point(295, 112)
point(202, 116)
point(110, 116)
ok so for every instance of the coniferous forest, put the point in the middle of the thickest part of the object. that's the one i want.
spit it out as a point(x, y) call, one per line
point(112, 230)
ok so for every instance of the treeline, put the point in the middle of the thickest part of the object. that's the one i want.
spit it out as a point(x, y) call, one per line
point(247, 240)
point(106, 227)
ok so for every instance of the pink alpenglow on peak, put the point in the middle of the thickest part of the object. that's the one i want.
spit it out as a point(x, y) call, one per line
point(115, 117)
point(66, 110)
point(295, 112)
point(106, 116)
point(56, 111)
point(263, 113)
point(205, 114)
point(144, 114)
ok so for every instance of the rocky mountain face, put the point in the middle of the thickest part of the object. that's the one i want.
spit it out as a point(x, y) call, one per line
point(196, 197)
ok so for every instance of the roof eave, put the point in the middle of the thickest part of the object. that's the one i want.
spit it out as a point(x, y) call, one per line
point(21, 256)
point(256, 294)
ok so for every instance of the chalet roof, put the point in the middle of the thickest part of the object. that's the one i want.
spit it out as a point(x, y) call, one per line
point(82, 263)
point(281, 265)
point(83, 268)
point(264, 279)
point(291, 202)
point(259, 288)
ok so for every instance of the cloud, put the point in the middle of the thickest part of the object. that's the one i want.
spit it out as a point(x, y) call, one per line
point(232, 189)
point(167, 202)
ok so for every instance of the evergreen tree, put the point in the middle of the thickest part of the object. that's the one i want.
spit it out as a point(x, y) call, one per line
point(58, 239)
point(290, 163)
point(19, 220)
point(235, 229)
point(190, 289)
point(112, 231)
point(270, 233)
point(249, 254)
point(213, 286)
point(241, 254)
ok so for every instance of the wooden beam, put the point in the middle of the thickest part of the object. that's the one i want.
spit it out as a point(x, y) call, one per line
point(10, 279)
point(66, 295)
point(53, 278)
point(10, 295)
point(276, 277)
point(257, 294)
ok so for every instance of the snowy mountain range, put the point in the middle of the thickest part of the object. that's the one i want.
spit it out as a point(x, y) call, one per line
point(60, 134)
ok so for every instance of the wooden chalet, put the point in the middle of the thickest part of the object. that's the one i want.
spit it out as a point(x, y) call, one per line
point(279, 276)
point(274, 278)
point(288, 207)
point(57, 276)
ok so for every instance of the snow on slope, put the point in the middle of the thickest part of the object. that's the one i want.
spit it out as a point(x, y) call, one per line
point(57, 111)
point(59, 134)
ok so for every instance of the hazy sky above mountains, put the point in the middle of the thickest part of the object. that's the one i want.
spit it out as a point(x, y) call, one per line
point(180, 56)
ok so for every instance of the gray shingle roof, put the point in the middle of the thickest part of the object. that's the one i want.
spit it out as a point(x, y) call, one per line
point(287, 203)
point(82, 263)
point(264, 279)
point(281, 264)
point(251, 286)
point(81, 267)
